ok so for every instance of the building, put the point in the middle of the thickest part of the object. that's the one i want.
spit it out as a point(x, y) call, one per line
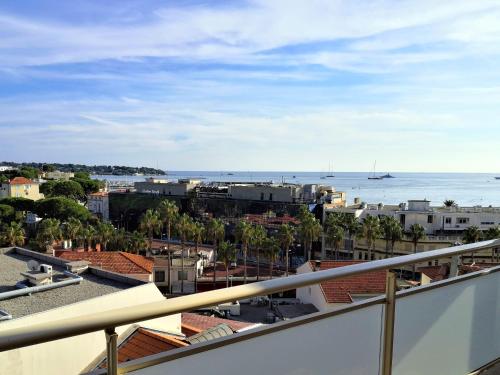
point(20, 187)
point(183, 272)
point(336, 293)
point(98, 204)
point(5, 168)
point(132, 265)
point(71, 290)
point(164, 187)
point(287, 193)
point(58, 175)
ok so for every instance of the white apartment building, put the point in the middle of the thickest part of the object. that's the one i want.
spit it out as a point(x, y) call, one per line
point(98, 204)
point(436, 220)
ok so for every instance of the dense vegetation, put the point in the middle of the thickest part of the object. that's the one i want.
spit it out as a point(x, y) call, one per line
point(92, 169)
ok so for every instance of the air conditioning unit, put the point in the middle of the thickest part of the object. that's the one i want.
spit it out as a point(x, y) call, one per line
point(46, 268)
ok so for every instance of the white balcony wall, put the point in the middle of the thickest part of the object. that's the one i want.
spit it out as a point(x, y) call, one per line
point(346, 344)
point(450, 330)
point(453, 329)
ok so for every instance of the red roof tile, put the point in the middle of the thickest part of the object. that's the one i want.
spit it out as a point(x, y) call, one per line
point(115, 261)
point(202, 322)
point(144, 342)
point(435, 273)
point(342, 290)
point(20, 181)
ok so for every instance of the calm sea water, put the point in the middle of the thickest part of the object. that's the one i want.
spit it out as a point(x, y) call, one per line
point(467, 189)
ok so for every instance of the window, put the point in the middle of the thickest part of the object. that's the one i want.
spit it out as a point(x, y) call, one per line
point(159, 276)
point(430, 219)
point(182, 275)
point(360, 255)
point(270, 196)
point(462, 220)
point(447, 220)
point(261, 196)
point(402, 219)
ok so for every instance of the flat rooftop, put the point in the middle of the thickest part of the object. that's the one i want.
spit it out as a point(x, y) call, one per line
point(13, 263)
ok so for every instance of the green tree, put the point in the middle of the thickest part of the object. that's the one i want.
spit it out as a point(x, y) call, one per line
point(13, 235)
point(449, 203)
point(492, 233)
point(259, 237)
point(19, 203)
point(61, 208)
point(243, 234)
point(48, 232)
point(370, 230)
point(392, 232)
point(352, 226)
point(334, 237)
point(150, 225)
point(287, 236)
point(105, 233)
point(7, 213)
point(69, 189)
point(184, 228)
point(169, 213)
point(215, 233)
point(138, 242)
point(198, 234)
point(120, 241)
point(416, 234)
point(227, 255)
point(72, 230)
point(472, 234)
point(88, 236)
point(309, 231)
point(271, 250)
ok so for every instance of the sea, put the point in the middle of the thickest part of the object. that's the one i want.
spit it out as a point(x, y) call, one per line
point(466, 189)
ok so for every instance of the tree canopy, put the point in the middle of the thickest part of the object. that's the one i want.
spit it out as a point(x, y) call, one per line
point(61, 208)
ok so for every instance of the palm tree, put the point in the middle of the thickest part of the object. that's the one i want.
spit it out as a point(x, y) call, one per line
point(137, 241)
point(449, 203)
point(472, 234)
point(334, 237)
point(120, 241)
point(197, 233)
point(13, 234)
point(215, 232)
point(286, 236)
point(309, 230)
point(49, 231)
point(416, 234)
point(105, 233)
point(392, 232)
point(88, 235)
point(150, 224)
point(259, 236)
point(352, 226)
point(184, 228)
point(227, 255)
point(492, 233)
point(272, 250)
point(370, 231)
point(169, 213)
point(72, 229)
point(243, 234)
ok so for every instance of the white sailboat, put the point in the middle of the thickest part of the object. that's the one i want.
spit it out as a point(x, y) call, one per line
point(374, 176)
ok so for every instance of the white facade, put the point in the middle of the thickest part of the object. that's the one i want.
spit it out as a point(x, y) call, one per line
point(164, 187)
point(98, 203)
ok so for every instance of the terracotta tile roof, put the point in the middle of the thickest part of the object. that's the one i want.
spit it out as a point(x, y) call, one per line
point(144, 342)
point(341, 291)
point(202, 322)
point(20, 181)
point(115, 261)
point(435, 273)
point(99, 194)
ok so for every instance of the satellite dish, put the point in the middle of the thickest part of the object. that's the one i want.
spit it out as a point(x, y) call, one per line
point(33, 265)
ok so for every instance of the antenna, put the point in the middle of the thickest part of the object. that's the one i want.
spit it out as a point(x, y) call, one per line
point(33, 265)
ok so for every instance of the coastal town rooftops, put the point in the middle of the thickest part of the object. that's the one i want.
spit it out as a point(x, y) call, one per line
point(343, 290)
point(114, 261)
point(93, 284)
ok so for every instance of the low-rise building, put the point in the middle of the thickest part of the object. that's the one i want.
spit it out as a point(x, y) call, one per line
point(288, 193)
point(58, 175)
point(20, 187)
point(98, 204)
point(5, 168)
point(164, 187)
point(343, 291)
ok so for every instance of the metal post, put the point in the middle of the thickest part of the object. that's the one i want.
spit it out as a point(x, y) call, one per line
point(111, 351)
point(455, 262)
point(389, 314)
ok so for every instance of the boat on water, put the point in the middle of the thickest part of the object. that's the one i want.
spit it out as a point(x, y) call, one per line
point(388, 175)
point(374, 175)
point(497, 178)
point(330, 173)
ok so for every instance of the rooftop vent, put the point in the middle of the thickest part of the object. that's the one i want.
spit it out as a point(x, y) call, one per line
point(38, 274)
point(77, 267)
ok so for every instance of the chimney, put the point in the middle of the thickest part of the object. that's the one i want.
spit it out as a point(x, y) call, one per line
point(317, 265)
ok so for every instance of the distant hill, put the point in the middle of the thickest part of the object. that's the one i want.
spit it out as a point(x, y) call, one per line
point(117, 170)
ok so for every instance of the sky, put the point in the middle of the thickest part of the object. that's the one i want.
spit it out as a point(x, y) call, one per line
point(279, 85)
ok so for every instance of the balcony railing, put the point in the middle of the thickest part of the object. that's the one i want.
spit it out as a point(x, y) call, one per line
point(107, 321)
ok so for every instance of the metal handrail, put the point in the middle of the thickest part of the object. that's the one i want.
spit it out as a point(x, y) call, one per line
point(63, 328)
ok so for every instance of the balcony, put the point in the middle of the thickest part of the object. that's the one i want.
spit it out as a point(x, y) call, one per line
point(447, 327)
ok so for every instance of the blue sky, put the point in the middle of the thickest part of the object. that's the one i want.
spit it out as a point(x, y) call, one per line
point(252, 85)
